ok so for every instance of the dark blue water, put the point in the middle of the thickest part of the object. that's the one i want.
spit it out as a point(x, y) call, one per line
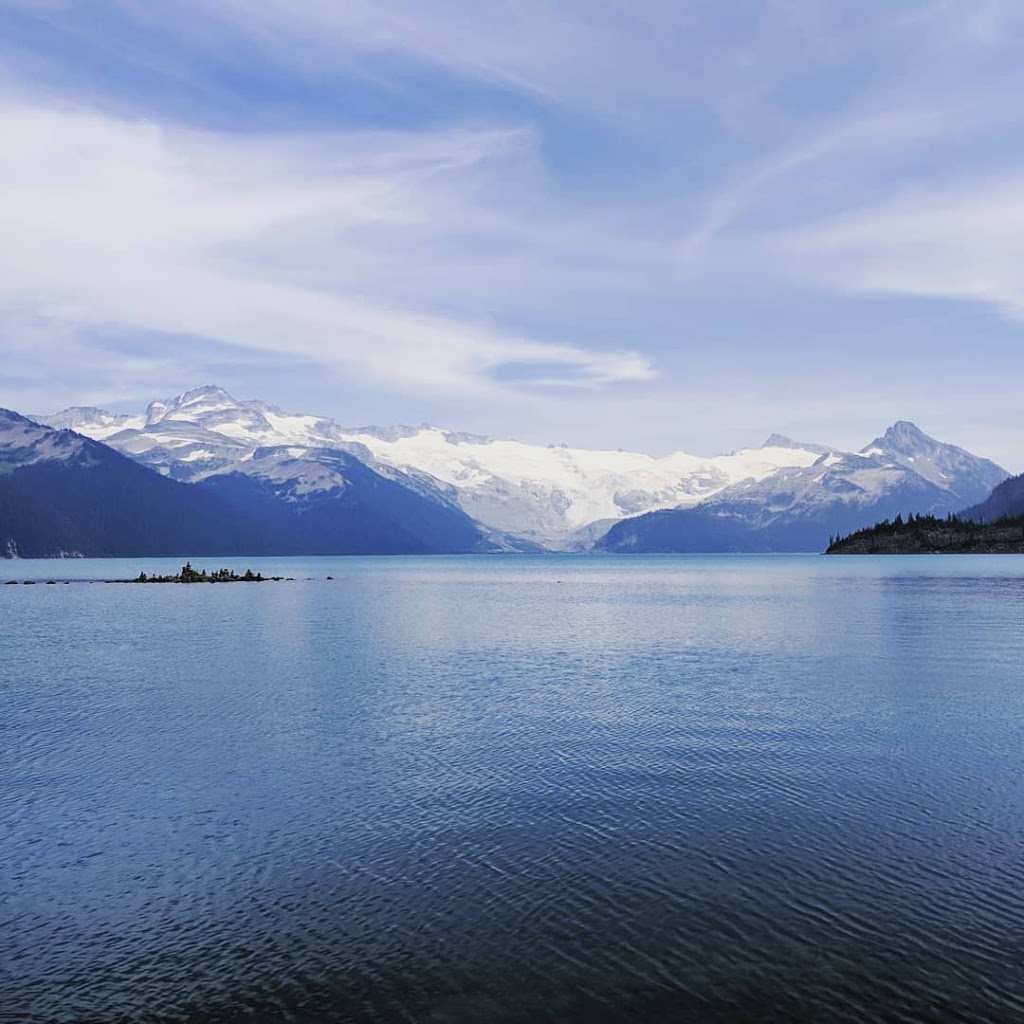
point(516, 789)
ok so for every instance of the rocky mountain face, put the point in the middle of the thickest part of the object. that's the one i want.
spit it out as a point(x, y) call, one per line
point(799, 509)
point(65, 494)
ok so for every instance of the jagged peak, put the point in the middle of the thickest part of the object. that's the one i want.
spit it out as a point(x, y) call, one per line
point(81, 415)
point(903, 437)
point(209, 397)
point(781, 441)
point(907, 429)
point(204, 393)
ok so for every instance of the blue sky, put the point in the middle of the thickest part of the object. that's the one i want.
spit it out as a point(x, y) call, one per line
point(656, 226)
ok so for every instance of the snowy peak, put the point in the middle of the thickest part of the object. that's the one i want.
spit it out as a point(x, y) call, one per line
point(198, 406)
point(194, 404)
point(24, 442)
point(904, 468)
point(90, 421)
point(209, 406)
point(781, 441)
point(209, 395)
point(85, 416)
point(947, 466)
point(903, 438)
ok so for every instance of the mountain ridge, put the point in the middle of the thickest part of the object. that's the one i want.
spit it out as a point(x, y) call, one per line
point(903, 471)
point(785, 495)
point(62, 493)
point(549, 495)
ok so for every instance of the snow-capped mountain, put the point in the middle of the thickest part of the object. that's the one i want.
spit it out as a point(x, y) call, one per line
point(64, 493)
point(199, 433)
point(786, 495)
point(564, 497)
point(24, 442)
point(949, 467)
point(798, 508)
point(553, 495)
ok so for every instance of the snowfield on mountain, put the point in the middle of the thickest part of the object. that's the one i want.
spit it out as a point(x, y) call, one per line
point(555, 496)
point(785, 495)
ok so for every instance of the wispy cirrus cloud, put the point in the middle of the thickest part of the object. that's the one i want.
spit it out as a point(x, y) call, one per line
point(255, 242)
point(952, 241)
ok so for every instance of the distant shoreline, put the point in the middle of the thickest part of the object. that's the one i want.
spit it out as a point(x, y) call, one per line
point(927, 535)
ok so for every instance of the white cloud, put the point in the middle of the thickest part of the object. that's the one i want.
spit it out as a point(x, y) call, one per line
point(947, 241)
point(838, 155)
point(135, 225)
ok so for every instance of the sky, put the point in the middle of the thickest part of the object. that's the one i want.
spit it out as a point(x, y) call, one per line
point(657, 226)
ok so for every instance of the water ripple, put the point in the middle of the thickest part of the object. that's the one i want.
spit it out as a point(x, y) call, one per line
point(450, 790)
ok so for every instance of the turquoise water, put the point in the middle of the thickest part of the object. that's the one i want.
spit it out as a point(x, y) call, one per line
point(515, 788)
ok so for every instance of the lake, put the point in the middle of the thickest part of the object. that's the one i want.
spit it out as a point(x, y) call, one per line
point(511, 788)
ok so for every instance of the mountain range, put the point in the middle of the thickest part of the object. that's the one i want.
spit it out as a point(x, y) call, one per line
point(205, 473)
point(801, 508)
point(552, 496)
point(62, 493)
point(65, 494)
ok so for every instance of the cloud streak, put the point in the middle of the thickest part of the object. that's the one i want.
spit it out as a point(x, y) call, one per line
point(949, 241)
point(129, 224)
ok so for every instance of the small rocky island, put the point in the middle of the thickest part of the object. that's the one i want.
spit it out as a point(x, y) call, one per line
point(190, 575)
point(920, 535)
